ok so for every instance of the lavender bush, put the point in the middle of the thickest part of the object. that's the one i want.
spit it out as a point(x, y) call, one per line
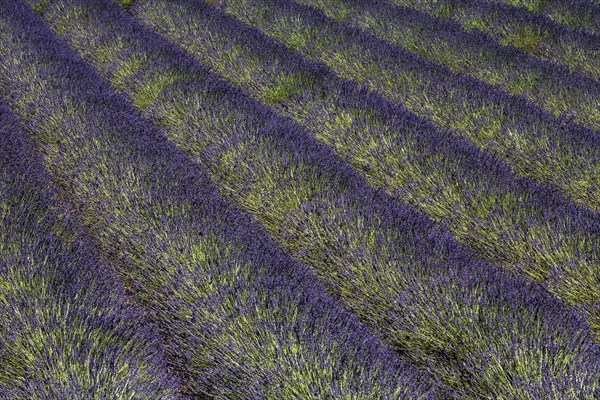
point(510, 221)
point(285, 232)
point(68, 329)
point(536, 34)
point(537, 145)
point(576, 14)
point(455, 317)
point(237, 317)
point(446, 42)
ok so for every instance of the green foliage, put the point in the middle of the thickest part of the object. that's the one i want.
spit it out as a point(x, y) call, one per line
point(126, 3)
point(40, 5)
point(286, 87)
point(528, 38)
point(533, 6)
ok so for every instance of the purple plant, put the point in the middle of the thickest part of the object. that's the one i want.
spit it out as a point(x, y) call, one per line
point(538, 35)
point(537, 145)
point(510, 221)
point(477, 329)
point(237, 317)
point(447, 43)
point(581, 15)
point(68, 329)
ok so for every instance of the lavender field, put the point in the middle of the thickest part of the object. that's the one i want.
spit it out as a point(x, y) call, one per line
point(307, 199)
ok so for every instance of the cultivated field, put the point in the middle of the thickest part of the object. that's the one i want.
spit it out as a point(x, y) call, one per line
point(308, 199)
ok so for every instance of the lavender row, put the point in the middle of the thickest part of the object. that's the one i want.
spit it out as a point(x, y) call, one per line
point(512, 222)
point(576, 14)
point(537, 145)
point(446, 42)
point(68, 329)
point(535, 34)
point(238, 317)
point(457, 318)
